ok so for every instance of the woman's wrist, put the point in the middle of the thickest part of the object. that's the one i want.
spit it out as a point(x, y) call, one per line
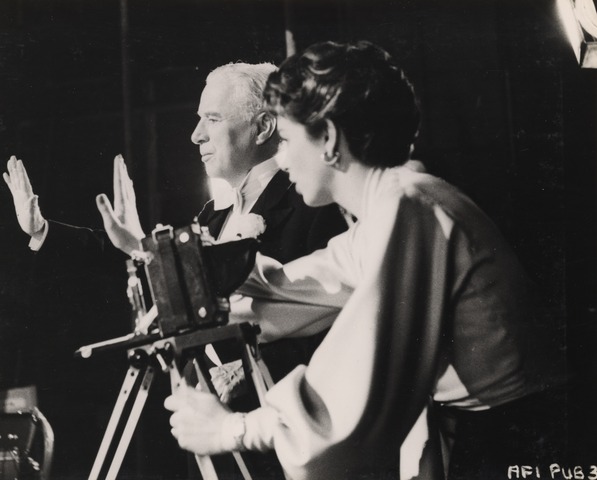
point(249, 431)
point(260, 425)
point(233, 432)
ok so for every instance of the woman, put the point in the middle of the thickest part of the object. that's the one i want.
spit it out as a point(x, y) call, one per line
point(431, 304)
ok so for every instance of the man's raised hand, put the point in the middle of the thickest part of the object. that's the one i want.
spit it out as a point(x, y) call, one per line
point(26, 202)
point(121, 222)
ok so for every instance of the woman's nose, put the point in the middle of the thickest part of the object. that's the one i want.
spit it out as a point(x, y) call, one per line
point(281, 160)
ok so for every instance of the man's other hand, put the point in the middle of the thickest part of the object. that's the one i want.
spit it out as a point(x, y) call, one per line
point(121, 222)
point(26, 202)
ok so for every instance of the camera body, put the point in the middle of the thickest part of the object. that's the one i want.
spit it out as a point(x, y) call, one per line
point(189, 281)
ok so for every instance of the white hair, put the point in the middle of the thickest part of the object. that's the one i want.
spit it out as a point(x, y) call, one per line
point(248, 80)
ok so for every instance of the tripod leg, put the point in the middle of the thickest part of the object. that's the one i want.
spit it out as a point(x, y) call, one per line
point(267, 377)
point(237, 456)
point(131, 424)
point(206, 467)
point(259, 375)
point(242, 465)
point(127, 386)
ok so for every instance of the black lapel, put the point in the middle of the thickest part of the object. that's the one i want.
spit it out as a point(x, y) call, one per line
point(213, 219)
point(273, 193)
point(270, 204)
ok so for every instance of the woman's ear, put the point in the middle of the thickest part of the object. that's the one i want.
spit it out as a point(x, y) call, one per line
point(266, 126)
point(333, 143)
point(331, 138)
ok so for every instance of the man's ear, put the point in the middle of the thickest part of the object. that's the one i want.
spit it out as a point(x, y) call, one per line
point(266, 126)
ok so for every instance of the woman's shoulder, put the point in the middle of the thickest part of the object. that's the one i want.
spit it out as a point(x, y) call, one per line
point(428, 190)
point(411, 182)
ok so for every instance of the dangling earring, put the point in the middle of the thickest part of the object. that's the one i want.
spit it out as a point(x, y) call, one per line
point(331, 160)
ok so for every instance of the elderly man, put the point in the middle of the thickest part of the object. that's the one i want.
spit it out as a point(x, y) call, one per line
point(237, 141)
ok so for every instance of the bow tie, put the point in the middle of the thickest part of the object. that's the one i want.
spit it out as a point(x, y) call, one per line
point(230, 197)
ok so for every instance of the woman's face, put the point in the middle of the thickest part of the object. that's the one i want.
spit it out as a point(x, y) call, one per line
point(300, 155)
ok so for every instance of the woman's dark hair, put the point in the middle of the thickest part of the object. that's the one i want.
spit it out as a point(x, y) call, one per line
point(357, 86)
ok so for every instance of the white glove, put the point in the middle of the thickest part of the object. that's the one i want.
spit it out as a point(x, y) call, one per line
point(26, 202)
point(121, 222)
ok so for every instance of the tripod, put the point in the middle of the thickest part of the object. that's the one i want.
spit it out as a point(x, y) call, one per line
point(147, 353)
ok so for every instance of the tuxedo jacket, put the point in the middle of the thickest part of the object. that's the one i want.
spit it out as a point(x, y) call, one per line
point(292, 228)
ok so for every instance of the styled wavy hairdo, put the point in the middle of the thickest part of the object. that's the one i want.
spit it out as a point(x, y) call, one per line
point(248, 80)
point(357, 86)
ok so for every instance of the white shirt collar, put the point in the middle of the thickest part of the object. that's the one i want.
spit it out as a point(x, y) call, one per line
point(246, 194)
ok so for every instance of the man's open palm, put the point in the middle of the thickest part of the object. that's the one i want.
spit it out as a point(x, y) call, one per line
point(121, 222)
point(25, 201)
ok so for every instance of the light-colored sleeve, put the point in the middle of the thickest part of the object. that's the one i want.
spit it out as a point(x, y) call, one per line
point(300, 298)
point(316, 407)
point(38, 239)
point(336, 384)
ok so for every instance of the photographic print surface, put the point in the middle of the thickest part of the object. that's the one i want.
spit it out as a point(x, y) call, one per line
point(508, 115)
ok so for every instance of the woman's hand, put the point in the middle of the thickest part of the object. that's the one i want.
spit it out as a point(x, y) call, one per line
point(197, 420)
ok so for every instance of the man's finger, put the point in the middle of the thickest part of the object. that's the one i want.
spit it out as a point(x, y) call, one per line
point(12, 171)
point(6, 177)
point(124, 183)
point(10, 165)
point(11, 186)
point(26, 184)
point(118, 160)
point(105, 208)
point(127, 186)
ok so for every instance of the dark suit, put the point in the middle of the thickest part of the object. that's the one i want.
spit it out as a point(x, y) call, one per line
point(292, 228)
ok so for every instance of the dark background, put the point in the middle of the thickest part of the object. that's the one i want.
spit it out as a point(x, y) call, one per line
point(508, 116)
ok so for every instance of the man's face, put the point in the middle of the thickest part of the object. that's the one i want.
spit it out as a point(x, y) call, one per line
point(225, 136)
